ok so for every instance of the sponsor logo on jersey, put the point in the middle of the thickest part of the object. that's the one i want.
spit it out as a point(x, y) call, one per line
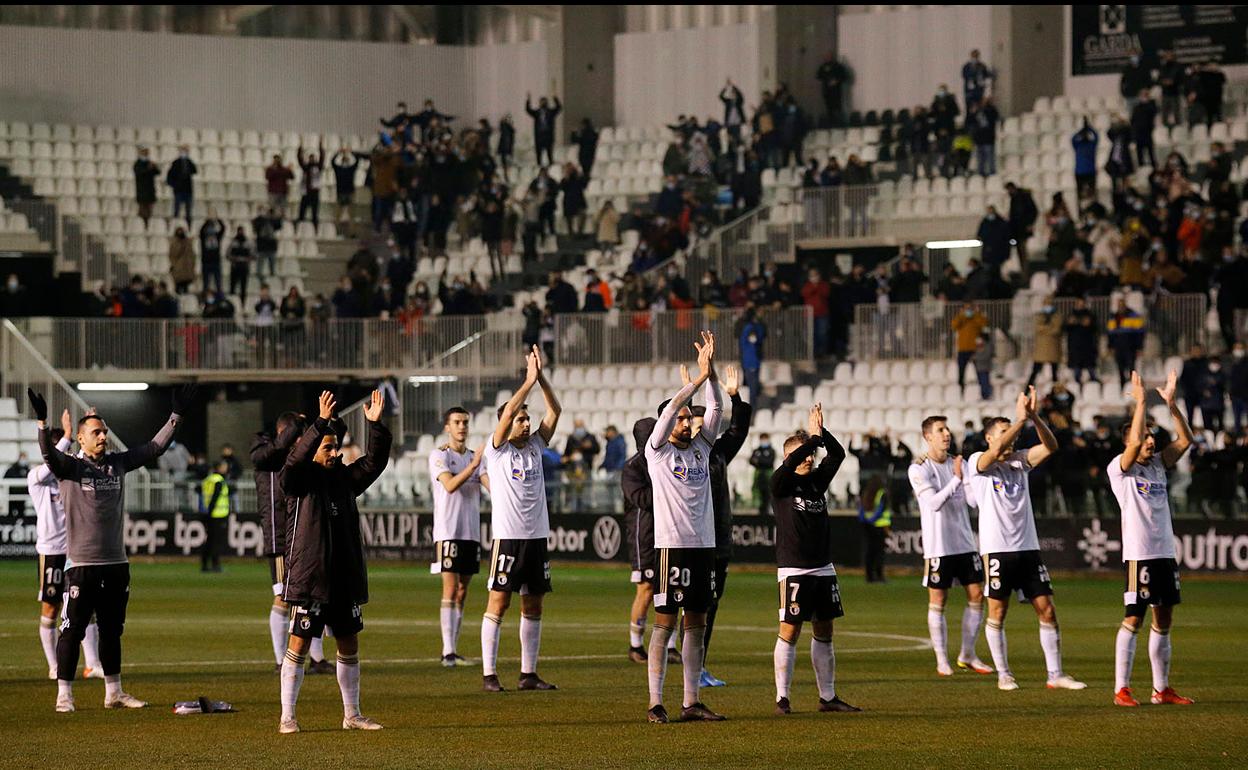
point(517, 474)
point(680, 470)
point(1147, 488)
point(998, 485)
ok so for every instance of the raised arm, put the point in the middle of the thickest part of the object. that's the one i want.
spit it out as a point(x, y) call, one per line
point(1135, 437)
point(270, 454)
point(1171, 454)
point(826, 470)
point(364, 471)
point(294, 478)
point(61, 465)
point(667, 418)
point(183, 399)
point(729, 444)
point(784, 478)
point(553, 408)
point(1048, 442)
point(503, 429)
point(993, 454)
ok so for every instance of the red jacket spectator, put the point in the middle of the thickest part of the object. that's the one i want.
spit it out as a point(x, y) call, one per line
point(277, 178)
point(816, 294)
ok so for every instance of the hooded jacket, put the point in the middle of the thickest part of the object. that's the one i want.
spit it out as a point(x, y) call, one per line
point(325, 550)
point(723, 451)
point(268, 456)
point(638, 496)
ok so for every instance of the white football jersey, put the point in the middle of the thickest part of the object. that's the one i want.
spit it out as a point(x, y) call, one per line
point(943, 512)
point(517, 490)
point(45, 494)
point(1143, 496)
point(1006, 521)
point(684, 514)
point(456, 515)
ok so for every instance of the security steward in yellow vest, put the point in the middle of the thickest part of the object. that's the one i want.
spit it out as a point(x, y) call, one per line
point(215, 493)
point(875, 513)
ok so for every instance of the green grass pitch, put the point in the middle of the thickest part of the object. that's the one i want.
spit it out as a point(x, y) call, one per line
point(191, 634)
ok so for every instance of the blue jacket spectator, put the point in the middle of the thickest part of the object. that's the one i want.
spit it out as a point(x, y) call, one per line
point(616, 453)
point(1084, 143)
point(994, 234)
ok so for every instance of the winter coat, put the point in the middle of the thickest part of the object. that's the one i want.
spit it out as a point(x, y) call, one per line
point(325, 550)
point(268, 456)
point(181, 260)
point(1048, 339)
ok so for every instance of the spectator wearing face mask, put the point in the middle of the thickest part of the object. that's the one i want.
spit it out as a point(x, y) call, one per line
point(180, 178)
point(1143, 120)
point(266, 226)
point(966, 326)
point(241, 256)
point(1231, 279)
point(277, 178)
point(734, 110)
point(1047, 342)
point(975, 79)
point(1126, 339)
point(345, 163)
point(1237, 384)
point(145, 173)
point(1213, 396)
point(1170, 77)
point(1135, 77)
point(983, 125)
point(994, 234)
point(1084, 144)
point(544, 116)
point(944, 111)
point(211, 235)
point(1081, 348)
point(313, 168)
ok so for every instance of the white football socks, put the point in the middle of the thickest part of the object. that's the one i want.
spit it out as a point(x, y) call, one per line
point(446, 619)
point(1051, 643)
point(64, 689)
point(939, 633)
point(784, 657)
point(491, 627)
point(348, 671)
point(1124, 656)
point(91, 646)
point(823, 657)
point(112, 686)
point(459, 622)
point(972, 618)
point(1159, 656)
point(316, 650)
point(694, 652)
point(530, 642)
point(636, 633)
point(47, 637)
point(657, 663)
point(994, 632)
point(279, 626)
point(292, 680)
point(671, 641)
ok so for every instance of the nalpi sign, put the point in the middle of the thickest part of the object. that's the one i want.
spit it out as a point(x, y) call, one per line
point(1105, 37)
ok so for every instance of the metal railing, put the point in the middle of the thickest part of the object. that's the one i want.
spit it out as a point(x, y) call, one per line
point(836, 212)
point(667, 336)
point(75, 249)
point(923, 330)
point(198, 347)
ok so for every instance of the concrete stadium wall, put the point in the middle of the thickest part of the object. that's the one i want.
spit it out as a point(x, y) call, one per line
point(147, 79)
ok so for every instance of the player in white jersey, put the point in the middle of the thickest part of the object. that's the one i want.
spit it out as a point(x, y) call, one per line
point(51, 545)
point(1138, 480)
point(520, 525)
point(455, 473)
point(949, 548)
point(1007, 537)
point(684, 533)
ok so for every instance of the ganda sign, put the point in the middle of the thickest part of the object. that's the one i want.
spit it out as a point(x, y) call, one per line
point(1105, 37)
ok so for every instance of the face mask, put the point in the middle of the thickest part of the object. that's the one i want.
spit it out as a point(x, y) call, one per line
point(579, 433)
point(1047, 309)
point(969, 313)
point(1228, 257)
point(764, 445)
point(1215, 367)
point(942, 92)
point(1239, 354)
point(13, 285)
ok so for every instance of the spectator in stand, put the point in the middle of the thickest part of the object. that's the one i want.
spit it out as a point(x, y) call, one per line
point(181, 261)
point(345, 163)
point(1213, 396)
point(983, 125)
point(211, 235)
point(1120, 164)
point(1081, 341)
point(597, 293)
point(944, 111)
point(264, 319)
point(532, 227)
point(975, 79)
point(164, 304)
point(857, 174)
point(547, 192)
point(1192, 378)
point(1221, 163)
point(1197, 113)
point(1126, 339)
point(560, 296)
point(734, 110)
point(699, 158)
point(181, 178)
point(674, 161)
point(792, 128)
point(967, 326)
point(671, 200)
point(1062, 238)
point(506, 144)
point(1143, 120)
point(763, 124)
point(816, 294)
point(384, 163)
point(994, 235)
point(1047, 343)
point(1084, 143)
point(401, 120)
point(266, 226)
point(607, 226)
point(1237, 384)
point(313, 168)
point(1231, 279)
point(750, 339)
point(711, 292)
point(293, 310)
point(135, 300)
point(1170, 77)
point(543, 125)
point(241, 256)
point(982, 358)
point(586, 140)
point(145, 173)
point(1136, 77)
point(907, 284)
point(1210, 85)
point(1023, 215)
point(403, 224)
point(832, 76)
point(921, 147)
point(346, 300)
point(277, 178)
point(616, 452)
point(574, 204)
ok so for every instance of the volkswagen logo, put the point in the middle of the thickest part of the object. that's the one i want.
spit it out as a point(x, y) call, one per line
point(606, 537)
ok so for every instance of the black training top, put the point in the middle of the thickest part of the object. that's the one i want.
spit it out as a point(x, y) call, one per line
point(803, 529)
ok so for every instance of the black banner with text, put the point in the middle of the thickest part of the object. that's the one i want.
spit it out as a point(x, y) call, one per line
point(1105, 37)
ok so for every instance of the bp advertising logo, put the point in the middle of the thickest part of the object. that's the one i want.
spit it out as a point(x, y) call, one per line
point(606, 537)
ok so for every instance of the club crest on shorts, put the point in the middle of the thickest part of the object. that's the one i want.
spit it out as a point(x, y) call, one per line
point(446, 563)
point(795, 608)
point(305, 623)
point(73, 592)
point(996, 584)
point(501, 580)
point(679, 596)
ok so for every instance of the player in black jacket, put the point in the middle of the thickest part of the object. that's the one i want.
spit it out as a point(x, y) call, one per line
point(268, 455)
point(808, 588)
point(326, 578)
point(723, 451)
point(639, 526)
